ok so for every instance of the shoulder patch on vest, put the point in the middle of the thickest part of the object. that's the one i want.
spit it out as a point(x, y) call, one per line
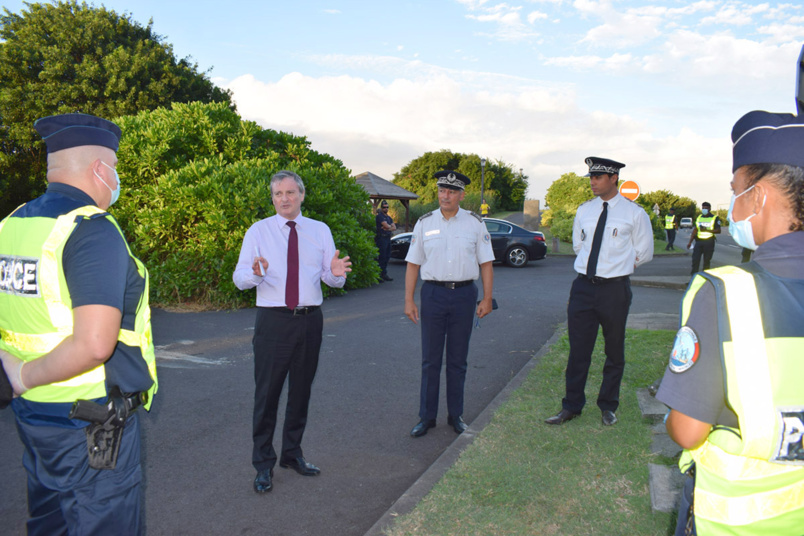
point(685, 350)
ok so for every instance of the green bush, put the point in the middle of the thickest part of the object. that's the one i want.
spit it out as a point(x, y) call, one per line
point(561, 224)
point(196, 177)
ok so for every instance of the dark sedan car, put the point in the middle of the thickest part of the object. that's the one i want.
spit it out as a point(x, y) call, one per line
point(511, 243)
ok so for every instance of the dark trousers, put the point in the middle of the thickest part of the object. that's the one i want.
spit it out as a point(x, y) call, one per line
point(446, 319)
point(591, 305)
point(285, 346)
point(705, 248)
point(684, 509)
point(671, 238)
point(67, 496)
point(384, 246)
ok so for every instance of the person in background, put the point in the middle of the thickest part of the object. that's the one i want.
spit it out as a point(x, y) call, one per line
point(484, 208)
point(385, 228)
point(707, 225)
point(733, 382)
point(670, 226)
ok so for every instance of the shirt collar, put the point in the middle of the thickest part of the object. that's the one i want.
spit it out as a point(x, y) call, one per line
point(283, 221)
point(70, 191)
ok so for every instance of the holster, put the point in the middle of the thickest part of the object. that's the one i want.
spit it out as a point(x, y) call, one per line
point(107, 424)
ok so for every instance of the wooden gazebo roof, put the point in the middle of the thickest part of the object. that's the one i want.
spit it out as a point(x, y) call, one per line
point(379, 189)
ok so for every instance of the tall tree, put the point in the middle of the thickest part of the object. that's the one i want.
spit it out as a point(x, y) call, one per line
point(498, 179)
point(69, 57)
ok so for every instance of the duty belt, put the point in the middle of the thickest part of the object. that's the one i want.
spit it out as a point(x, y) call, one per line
point(301, 310)
point(601, 280)
point(451, 284)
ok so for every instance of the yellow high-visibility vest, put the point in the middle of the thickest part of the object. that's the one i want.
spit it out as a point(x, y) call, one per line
point(36, 309)
point(709, 223)
point(751, 480)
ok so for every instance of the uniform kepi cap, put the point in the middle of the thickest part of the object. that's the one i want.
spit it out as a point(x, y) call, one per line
point(599, 165)
point(74, 130)
point(766, 138)
point(452, 180)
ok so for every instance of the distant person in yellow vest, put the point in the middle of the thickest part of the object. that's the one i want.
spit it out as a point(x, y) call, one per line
point(484, 208)
point(707, 225)
point(75, 326)
point(734, 381)
point(670, 225)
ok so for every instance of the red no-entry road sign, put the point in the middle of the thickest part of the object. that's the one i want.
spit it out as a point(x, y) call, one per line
point(629, 190)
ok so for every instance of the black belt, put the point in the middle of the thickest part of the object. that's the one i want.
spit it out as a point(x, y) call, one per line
point(301, 310)
point(600, 280)
point(451, 284)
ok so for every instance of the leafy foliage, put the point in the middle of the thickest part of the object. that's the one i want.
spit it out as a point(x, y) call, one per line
point(196, 177)
point(665, 199)
point(498, 179)
point(69, 57)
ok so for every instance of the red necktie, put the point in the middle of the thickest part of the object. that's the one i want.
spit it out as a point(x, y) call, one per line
point(292, 280)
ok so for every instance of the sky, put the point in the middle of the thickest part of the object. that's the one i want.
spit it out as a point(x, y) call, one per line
point(536, 84)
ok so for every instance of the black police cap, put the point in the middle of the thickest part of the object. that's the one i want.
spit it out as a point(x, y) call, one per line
point(75, 130)
point(599, 165)
point(452, 180)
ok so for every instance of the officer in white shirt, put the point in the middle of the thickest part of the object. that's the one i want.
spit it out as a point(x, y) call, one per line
point(451, 247)
point(611, 236)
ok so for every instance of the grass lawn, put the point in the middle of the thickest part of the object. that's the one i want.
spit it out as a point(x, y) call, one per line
point(524, 477)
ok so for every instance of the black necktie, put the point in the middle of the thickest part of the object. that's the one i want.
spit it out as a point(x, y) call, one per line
point(292, 279)
point(591, 264)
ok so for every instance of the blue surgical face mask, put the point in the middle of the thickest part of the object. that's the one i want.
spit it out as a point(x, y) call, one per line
point(742, 231)
point(116, 191)
point(704, 211)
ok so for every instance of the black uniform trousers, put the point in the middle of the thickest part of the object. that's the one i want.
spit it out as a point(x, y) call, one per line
point(384, 246)
point(285, 346)
point(592, 305)
point(705, 248)
point(446, 319)
point(671, 238)
point(67, 496)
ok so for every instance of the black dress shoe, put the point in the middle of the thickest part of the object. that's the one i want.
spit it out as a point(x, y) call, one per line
point(562, 416)
point(301, 466)
point(421, 428)
point(457, 424)
point(263, 483)
point(609, 418)
point(387, 277)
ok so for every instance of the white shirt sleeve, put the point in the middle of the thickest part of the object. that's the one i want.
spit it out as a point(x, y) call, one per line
point(642, 237)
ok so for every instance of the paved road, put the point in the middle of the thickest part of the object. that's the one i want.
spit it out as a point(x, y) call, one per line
point(365, 400)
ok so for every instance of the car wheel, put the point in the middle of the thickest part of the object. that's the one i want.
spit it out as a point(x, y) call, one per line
point(517, 257)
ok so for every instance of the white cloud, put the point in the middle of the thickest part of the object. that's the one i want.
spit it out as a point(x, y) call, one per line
point(540, 128)
point(736, 14)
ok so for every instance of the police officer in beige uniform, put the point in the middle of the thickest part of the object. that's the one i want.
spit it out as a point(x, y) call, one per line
point(451, 247)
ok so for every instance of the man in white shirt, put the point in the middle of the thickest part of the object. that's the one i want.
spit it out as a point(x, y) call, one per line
point(611, 236)
point(451, 247)
point(286, 257)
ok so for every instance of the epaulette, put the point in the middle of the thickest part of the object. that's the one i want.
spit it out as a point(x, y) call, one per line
point(585, 202)
point(476, 215)
point(427, 215)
